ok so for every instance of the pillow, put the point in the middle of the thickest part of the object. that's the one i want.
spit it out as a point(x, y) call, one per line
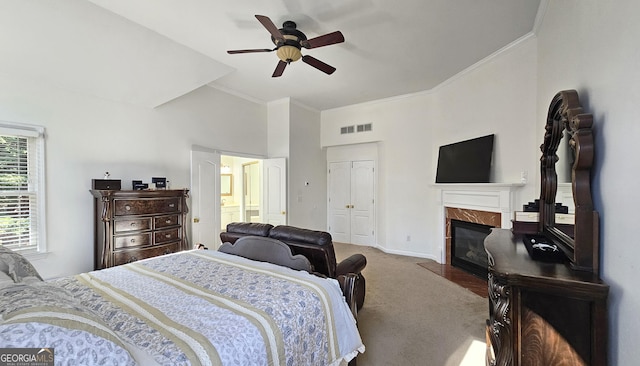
point(5, 280)
point(17, 267)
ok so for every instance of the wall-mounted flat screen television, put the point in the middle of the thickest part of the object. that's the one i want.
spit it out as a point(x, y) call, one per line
point(466, 161)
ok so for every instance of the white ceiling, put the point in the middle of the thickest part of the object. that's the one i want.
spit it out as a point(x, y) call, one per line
point(165, 48)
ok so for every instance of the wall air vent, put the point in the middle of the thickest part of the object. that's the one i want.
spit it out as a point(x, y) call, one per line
point(347, 129)
point(364, 128)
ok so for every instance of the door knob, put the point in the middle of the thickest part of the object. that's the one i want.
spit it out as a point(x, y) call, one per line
point(196, 220)
point(283, 212)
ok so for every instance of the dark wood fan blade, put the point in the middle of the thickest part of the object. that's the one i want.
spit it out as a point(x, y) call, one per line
point(279, 69)
point(328, 69)
point(249, 51)
point(327, 39)
point(267, 23)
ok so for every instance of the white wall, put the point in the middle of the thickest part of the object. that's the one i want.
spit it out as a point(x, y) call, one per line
point(307, 164)
point(496, 96)
point(592, 46)
point(402, 127)
point(294, 134)
point(278, 129)
point(87, 136)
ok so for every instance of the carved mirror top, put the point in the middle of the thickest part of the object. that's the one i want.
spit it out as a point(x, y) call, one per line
point(566, 113)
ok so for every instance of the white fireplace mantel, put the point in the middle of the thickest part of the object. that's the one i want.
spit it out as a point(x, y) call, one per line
point(491, 197)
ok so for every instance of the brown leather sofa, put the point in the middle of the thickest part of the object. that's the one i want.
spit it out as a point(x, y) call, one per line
point(317, 246)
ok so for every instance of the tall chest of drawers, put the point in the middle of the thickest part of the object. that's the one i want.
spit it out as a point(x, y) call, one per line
point(133, 225)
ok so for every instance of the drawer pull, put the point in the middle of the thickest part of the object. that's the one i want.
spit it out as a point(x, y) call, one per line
point(133, 240)
point(133, 224)
point(127, 207)
point(167, 236)
point(168, 251)
point(172, 205)
point(132, 259)
point(168, 221)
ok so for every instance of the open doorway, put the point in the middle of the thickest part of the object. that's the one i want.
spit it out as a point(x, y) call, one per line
point(240, 190)
point(229, 188)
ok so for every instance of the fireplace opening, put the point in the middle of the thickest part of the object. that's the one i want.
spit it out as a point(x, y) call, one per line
point(467, 247)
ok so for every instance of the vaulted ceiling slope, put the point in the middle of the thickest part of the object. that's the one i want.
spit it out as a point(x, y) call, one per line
point(148, 52)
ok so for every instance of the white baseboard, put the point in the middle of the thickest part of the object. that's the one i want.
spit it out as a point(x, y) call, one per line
point(408, 253)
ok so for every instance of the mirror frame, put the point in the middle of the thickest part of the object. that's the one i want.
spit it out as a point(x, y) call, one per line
point(566, 113)
point(223, 177)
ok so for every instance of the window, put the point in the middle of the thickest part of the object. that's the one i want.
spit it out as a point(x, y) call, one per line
point(22, 187)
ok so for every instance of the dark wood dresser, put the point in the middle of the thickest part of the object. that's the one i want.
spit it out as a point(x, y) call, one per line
point(133, 225)
point(542, 313)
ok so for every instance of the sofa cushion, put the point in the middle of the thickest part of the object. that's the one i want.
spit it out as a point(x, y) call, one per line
point(296, 234)
point(227, 237)
point(249, 228)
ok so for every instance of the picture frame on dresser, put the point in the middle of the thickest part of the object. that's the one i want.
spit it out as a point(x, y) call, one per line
point(136, 224)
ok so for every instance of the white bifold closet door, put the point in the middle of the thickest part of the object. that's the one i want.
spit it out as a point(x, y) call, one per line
point(351, 205)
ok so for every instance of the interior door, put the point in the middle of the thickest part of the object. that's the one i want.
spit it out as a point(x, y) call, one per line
point(205, 198)
point(275, 191)
point(339, 175)
point(362, 202)
point(351, 205)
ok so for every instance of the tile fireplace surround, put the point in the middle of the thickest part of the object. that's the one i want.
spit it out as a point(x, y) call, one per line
point(483, 203)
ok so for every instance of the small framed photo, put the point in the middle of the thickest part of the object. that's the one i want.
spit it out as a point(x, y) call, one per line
point(137, 185)
point(160, 182)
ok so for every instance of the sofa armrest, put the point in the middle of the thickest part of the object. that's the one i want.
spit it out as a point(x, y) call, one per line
point(353, 264)
point(348, 285)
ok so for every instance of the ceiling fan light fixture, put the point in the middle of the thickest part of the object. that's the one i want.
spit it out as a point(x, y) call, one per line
point(288, 53)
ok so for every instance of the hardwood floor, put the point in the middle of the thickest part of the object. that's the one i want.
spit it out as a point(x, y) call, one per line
point(458, 276)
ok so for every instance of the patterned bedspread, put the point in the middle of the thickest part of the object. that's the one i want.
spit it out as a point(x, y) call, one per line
point(209, 308)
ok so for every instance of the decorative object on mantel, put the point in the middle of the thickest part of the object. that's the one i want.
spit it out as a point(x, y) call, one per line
point(544, 313)
point(535, 207)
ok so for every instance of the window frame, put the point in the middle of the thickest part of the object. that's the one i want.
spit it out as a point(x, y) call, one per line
point(38, 149)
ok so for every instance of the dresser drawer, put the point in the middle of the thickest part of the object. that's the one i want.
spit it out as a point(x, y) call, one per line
point(165, 221)
point(146, 206)
point(166, 236)
point(121, 226)
point(128, 256)
point(129, 241)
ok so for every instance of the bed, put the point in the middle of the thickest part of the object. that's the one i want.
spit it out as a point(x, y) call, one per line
point(197, 307)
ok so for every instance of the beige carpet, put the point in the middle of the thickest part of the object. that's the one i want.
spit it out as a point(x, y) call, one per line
point(412, 316)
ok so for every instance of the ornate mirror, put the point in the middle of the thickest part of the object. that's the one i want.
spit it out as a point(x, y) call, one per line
point(566, 114)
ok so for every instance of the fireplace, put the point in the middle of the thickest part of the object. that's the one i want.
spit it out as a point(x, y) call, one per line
point(490, 204)
point(467, 247)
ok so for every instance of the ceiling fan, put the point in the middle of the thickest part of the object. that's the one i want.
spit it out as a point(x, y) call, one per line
point(289, 41)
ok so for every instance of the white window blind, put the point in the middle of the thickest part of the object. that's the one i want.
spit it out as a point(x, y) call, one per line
point(22, 187)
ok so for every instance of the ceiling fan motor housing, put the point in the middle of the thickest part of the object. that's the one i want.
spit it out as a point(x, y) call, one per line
point(289, 50)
